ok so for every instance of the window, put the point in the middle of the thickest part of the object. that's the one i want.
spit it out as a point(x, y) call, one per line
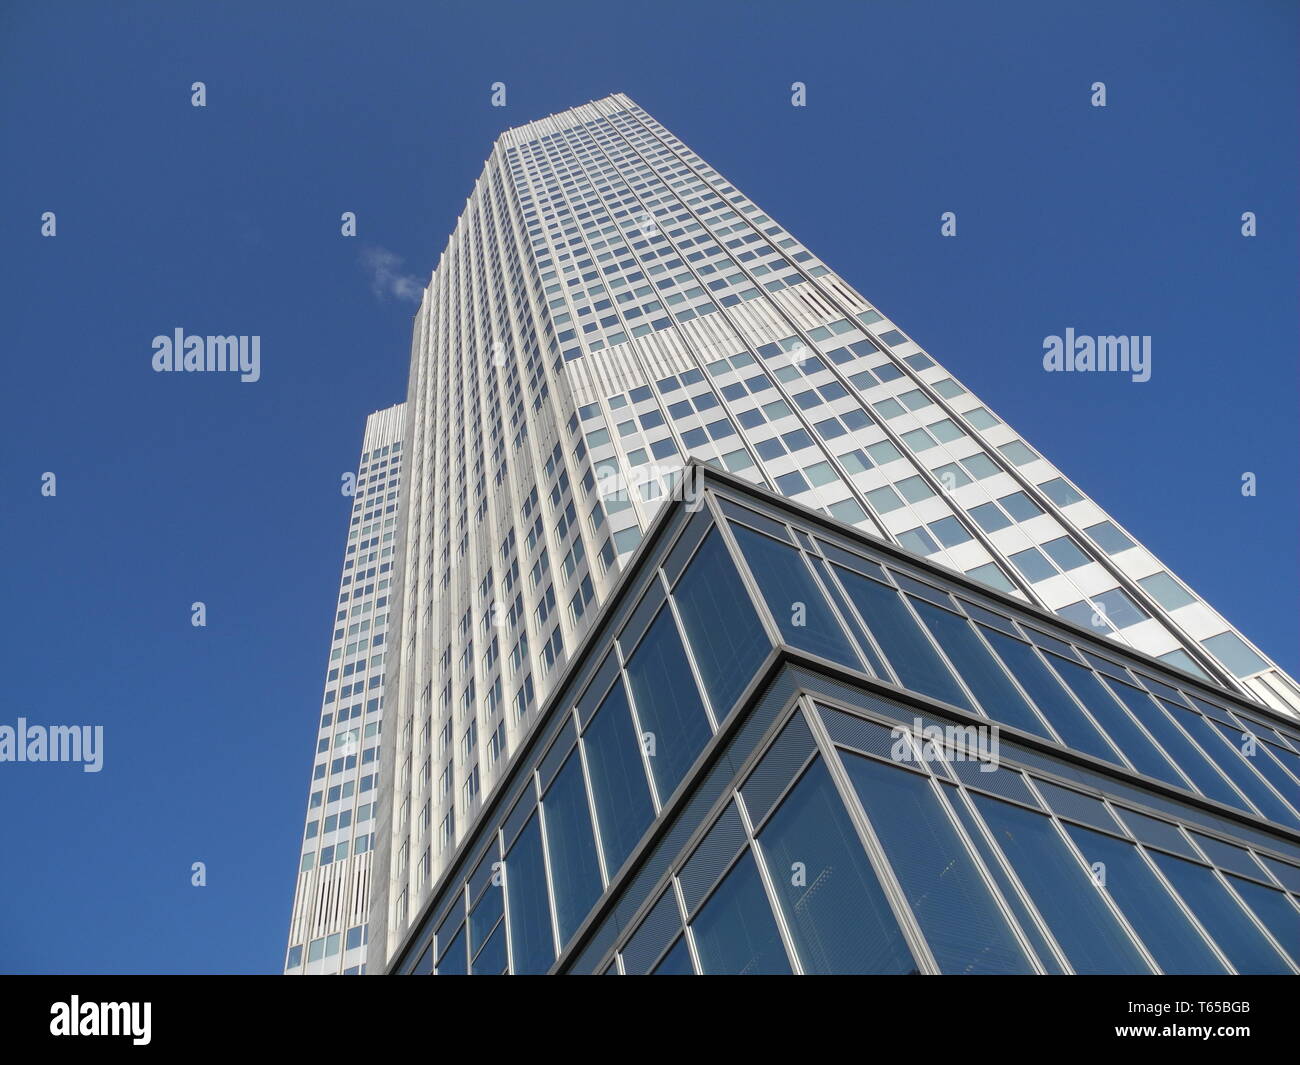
point(1059, 492)
point(1063, 890)
point(674, 726)
point(1232, 651)
point(724, 633)
point(798, 606)
point(618, 784)
point(1220, 915)
point(531, 944)
point(977, 666)
point(915, 661)
point(958, 915)
point(735, 932)
point(575, 873)
point(1106, 536)
point(833, 904)
point(1166, 591)
point(1064, 715)
point(1174, 942)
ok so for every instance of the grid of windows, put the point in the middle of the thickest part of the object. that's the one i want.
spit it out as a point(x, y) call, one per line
point(608, 307)
point(863, 835)
point(328, 933)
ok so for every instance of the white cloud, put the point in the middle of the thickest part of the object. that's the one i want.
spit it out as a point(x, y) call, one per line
point(386, 277)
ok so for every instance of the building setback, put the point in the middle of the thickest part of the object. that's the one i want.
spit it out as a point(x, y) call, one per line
point(607, 307)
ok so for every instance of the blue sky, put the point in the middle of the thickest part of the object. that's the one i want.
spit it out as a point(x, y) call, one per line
point(225, 219)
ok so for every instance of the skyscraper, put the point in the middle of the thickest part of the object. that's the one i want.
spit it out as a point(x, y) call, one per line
point(327, 932)
point(608, 306)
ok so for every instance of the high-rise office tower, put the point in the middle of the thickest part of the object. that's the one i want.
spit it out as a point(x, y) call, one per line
point(607, 307)
point(327, 932)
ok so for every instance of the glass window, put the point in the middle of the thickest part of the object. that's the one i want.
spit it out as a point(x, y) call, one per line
point(618, 784)
point(1066, 553)
point(883, 499)
point(1033, 565)
point(1064, 892)
point(1059, 492)
point(1166, 591)
point(528, 910)
point(674, 726)
point(989, 516)
point(1187, 756)
point(1020, 506)
point(1178, 948)
point(1062, 713)
point(949, 531)
point(483, 921)
point(1130, 739)
point(950, 899)
point(833, 904)
point(491, 960)
point(981, 671)
point(735, 932)
point(723, 630)
point(1232, 651)
point(575, 874)
point(1274, 911)
point(1227, 758)
point(1220, 915)
point(798, 605)
point(1106, 536)
point(677, 962)
point(453, 961)
point(914, 659)
point(918, 540)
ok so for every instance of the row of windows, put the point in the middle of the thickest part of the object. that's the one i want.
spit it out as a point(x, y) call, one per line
point(846, 609)
point(690, 656)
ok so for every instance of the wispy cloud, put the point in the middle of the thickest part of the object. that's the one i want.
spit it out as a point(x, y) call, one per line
point(386, 277)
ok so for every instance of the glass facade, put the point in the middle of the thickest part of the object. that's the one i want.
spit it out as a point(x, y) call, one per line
point(820, 811)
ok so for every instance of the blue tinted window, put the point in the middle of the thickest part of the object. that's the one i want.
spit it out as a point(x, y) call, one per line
point(491, 960)
point(1235, 766)
point(798, 605)
point(677, 962)
point(667, 704)
point(915, 661)
point(1267, 767)
point(1064, 892)
point(1274, 911)
point(832, 902)
point(725, 635)
point(979, 669)
point(453, 961)
point(1128, 737)
point(1060, 710)
point(735, 932)
point(1174, 942)
point(484, 917)
point(532, 946)
point(1027, 924)
point(575, 874)
point(618, 783)
point(1221, 916)
point(959, 918)
point(1188, 757)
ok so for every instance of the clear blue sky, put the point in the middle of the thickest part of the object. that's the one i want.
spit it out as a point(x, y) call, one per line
point(176, 488)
